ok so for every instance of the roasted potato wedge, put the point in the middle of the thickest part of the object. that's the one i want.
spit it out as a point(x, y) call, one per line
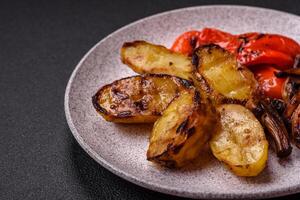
point(241, 142)
point(138, 99)
point(143, 57)
point(221, 76)
point(182, 131)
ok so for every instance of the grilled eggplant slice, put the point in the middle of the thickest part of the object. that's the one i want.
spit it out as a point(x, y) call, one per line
point(179, 135)
point(291, 116)
point(295, 123)
point(143, 57)
point(221, 76)
point(138, 99)
point(241, 142)
point(273, 124)
point(290, 88)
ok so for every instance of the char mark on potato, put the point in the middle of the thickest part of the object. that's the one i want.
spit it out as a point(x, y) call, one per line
point(186, 83)
point(119, 95)
point(190, 131)
point(195, 60)
point(124, 114)
point(96, 104)
point(193, 42)
point(197, 97)
point(141, 104)
point(182, 127)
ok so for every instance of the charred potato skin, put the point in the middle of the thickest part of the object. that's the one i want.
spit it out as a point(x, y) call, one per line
point(146, 58)
point(137, 99)
point(175, 141)
point(204, 56)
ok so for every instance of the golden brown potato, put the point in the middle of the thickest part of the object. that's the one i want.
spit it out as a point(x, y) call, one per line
point(180, 134)
point(241, 142)
point(138, 99)
point(221, 77)
point(148, 58)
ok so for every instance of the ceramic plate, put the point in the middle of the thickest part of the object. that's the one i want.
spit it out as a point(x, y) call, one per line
point(122, 148)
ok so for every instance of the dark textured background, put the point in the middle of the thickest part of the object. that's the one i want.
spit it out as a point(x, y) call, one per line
point(40, 44)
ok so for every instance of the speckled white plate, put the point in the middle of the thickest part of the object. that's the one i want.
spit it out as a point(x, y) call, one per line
point(122, 148)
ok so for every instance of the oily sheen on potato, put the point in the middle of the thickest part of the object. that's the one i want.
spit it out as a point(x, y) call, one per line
point(143, 57)
point(221, 76)
point(211, 68)
point(138, 99)
point(180, 134)
point(240, 143)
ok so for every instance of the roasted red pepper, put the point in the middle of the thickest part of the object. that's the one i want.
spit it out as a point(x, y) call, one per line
point(271, 85)
point(190, 40)
point(262, 53)
point(186, 42)
point(251, 48)
point(273, 49)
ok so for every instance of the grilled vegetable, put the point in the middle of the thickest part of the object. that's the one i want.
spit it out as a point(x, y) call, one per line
point(278, 132)
point(252, 49)
point(290, 88)
point(273, 123)
point(188, 41)
point(278, 105)
point(291, 97)
point(295, 123)
point(270, 85)
point(138, 99)
point(143, 57)
point(291, 116)
point(221, 76)
point(271, 49)
point(241, 142)
point(293, 72)
point(181, 132)
point(291, 106)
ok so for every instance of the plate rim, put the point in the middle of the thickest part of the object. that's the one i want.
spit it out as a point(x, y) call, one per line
point(131, 178)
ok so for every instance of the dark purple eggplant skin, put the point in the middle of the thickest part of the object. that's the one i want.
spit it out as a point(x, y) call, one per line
point(295, 126)
point(288, 72)
point(274, 125)
point(278, 105)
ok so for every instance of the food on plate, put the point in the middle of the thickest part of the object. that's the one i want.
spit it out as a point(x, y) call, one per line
point(180, 134)
point(211, 86)
point(291, 98)
point(217, 71)
point(138, 99)
point(293, 72)
point(143, 57)
point(188, 41)
point(270, 85)
point(254, 50)
point(295, 126)
point(272, 49)
point(251, 48)
point(240, 143)
point(221, 76)
point(290, 88)
point(273, 124)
